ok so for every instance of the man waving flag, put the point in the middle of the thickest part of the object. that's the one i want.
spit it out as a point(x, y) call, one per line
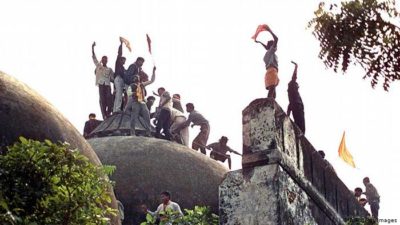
point(345, 154)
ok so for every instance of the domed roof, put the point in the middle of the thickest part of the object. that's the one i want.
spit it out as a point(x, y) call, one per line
point(118, 124)
point(148, 166)
point(23, 112)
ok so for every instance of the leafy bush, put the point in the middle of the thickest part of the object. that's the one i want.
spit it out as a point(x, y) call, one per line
point(200, 215)
point(47, 183)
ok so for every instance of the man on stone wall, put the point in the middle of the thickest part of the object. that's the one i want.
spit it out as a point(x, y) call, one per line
point(271, 64)
point(295, 102)
point(373, 197)
point(104, 76)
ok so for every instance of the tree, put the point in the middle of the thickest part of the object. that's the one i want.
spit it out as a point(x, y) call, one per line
point(46, 183)
point(360, 32)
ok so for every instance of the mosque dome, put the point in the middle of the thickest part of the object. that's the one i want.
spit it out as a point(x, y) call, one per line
point(147, 166)
point(23, 112)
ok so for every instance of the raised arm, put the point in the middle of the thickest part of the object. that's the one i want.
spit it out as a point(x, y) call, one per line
point(120, 48)
point(294, 76)
point(274, 36)
point(261, 44)
point(289, 110)
point(152, 79)
point(120, 51)
point(93, 45)
point(94, 54)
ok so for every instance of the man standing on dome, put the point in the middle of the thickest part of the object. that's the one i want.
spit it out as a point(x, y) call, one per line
point(200, 141)
point(119, 79)
point(104, 76)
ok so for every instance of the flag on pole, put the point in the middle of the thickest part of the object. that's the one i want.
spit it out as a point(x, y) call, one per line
point(345, 154)
point(148, 43)
point(260, 28)
point(126, 42)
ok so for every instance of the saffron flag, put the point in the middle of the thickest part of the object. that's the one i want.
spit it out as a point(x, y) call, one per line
point(148, 43)
point(126, 42)
point(260, 28)
point(345, 154)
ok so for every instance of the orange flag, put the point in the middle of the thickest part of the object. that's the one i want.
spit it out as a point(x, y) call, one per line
point(126, 42)
point(148, 42)
point(345, 154)
point(262, 27)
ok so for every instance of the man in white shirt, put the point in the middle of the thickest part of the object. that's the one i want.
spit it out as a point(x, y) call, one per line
point(373, 197)
point(178, 118)
point(104, 76)
point(166, 205)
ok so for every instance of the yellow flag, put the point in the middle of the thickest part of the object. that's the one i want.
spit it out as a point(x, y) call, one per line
point(126, 42)
point(345, 154)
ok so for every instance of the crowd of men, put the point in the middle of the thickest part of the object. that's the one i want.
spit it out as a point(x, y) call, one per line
point(129, 95)
point(372, 197)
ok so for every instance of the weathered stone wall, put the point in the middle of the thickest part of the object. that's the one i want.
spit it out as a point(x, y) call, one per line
point(301, 189)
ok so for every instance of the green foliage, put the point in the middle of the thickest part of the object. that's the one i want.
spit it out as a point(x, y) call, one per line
point(360, 32)
point(200, 215)
point(46, 183)
point(361, 221)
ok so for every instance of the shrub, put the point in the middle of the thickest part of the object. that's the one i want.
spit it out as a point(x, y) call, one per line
point(200, 215)
point(47, 183)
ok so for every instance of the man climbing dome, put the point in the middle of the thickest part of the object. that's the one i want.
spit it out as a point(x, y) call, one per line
point(219, 150)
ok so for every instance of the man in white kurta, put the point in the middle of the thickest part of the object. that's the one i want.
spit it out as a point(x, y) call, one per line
point(178, 118)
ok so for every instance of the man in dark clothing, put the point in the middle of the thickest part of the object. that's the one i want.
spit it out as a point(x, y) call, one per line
point(164, 116)
point(90, 125)
point(219, 150)
point(119, 74)
point(295, 103)
point(150, 102)
point(133, 70)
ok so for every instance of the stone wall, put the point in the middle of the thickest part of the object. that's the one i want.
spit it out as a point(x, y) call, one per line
point(284, 180)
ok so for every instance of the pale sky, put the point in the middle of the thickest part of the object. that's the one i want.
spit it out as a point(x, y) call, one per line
point(203, 51)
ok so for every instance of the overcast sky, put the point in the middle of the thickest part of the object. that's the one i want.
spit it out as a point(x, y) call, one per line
point(203, 51)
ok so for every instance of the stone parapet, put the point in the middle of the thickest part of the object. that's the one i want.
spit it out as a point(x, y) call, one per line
point(284, 180)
